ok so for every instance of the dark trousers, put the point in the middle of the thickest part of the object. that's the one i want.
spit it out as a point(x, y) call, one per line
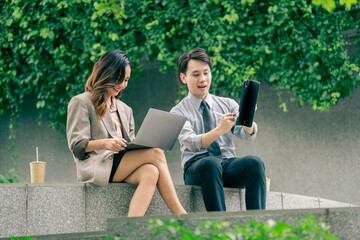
point(212, 174)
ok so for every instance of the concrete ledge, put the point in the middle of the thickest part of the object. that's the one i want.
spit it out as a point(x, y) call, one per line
point(13, 209)
point(70, 236)
point(55, 208)
point(42, 209)
point(344, 222)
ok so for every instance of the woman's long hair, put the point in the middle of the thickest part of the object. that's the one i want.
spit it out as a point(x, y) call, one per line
point(108, 72)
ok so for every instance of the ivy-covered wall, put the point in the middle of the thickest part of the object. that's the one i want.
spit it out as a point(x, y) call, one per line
point(48, 47)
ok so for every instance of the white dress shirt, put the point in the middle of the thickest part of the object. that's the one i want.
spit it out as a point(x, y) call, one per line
point(191, 134)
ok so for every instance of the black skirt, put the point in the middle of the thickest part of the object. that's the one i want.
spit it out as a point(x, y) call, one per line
point(117, 159)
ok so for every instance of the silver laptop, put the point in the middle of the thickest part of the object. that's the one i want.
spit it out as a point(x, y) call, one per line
point(159, 129)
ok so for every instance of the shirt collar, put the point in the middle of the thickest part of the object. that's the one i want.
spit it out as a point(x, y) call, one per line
point(113, 107)
point(197, 101)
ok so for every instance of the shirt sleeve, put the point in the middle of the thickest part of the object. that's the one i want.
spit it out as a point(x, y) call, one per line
point(187, 136)
point(238, 131)
point(78, 128)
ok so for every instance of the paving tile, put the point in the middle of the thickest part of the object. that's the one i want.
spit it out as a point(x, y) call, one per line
point(273, 201)
point(293, 201)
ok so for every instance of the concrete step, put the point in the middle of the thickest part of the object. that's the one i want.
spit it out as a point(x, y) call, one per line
point(344, 222)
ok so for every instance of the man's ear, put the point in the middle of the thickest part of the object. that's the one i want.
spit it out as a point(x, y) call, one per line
point(183, 78)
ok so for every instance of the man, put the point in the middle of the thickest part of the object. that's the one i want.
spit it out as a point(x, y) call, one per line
point(208, 152)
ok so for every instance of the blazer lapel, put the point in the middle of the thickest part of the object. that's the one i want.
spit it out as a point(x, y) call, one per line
point(124, 125)
point(108, 122)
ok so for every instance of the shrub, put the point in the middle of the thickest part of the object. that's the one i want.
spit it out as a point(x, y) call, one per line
point(307, 229)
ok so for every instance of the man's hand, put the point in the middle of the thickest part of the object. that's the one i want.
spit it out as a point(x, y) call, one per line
point(115, 144)
point(249, 130)
point(227, 122)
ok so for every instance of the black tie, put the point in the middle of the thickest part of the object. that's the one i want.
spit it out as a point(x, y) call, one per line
point(209, 123)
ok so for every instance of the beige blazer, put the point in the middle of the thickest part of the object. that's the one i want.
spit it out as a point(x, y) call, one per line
point(84, 123)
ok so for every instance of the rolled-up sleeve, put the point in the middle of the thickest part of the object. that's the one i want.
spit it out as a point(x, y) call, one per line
point(79, 149)
point(238, 131)
point(190, 139)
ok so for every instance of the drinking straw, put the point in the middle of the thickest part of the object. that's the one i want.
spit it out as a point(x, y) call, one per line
point(37, 154)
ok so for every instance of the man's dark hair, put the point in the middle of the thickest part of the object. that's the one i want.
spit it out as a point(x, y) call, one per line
point(194, 54)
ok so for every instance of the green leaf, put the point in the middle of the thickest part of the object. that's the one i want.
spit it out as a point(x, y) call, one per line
point(40, 104)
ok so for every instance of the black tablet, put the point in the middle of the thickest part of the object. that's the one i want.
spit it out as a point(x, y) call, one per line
point(248, 102)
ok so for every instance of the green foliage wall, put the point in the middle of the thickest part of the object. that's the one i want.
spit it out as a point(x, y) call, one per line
point(292, 45)
point(48, 47)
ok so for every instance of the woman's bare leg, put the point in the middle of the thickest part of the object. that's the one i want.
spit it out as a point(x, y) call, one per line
point(134, 159)
point(146, 177)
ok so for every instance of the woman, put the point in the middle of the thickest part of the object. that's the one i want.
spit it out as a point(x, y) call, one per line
point(98, 127)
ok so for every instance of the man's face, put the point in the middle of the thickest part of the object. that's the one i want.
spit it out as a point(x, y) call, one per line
point(197, 78)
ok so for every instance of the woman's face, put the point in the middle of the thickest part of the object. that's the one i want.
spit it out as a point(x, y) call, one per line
point(114, 91)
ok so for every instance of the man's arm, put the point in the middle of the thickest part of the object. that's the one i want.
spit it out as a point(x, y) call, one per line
point(227, 122)
point(188, 136)
point(242, 132)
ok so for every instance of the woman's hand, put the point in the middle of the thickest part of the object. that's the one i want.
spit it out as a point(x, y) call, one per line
point(115, 144)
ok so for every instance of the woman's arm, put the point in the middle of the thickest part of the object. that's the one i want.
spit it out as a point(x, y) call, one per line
point(78, 127)
point(78, 132)
point(113, 144)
